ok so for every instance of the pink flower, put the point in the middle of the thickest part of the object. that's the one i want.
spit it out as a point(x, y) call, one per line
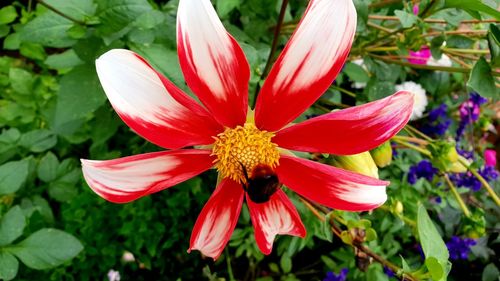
point(421, 56)
point(234, 140)
point(490, 157)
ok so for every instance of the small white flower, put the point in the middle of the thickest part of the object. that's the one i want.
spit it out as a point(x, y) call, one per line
point(419, 96)
point(113, 275)
point(443, 61)
point(128, 257)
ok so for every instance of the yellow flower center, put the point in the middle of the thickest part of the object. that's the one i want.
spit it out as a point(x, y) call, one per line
point(244, 145)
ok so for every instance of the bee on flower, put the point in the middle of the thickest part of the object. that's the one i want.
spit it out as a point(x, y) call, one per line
point(250, 149)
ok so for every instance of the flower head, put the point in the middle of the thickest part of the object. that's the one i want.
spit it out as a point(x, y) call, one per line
point(438, 123)
point(423, 169)
point(459, 248)
point(421, 56)
point(250, 150)
point(490, 157)
point(420, 97)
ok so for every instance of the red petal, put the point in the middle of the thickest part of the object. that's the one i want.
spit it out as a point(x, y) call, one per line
point(309, 63)
point(151, 105)
point(217, 220)
point(350, 131)
point(126, 179)
point(214, 66)
point(276, 216)
point(330, 186)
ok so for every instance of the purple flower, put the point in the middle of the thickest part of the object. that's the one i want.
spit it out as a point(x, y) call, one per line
point(389, 272)
point(470, 181)
point(438, 123)
point(465, 153)
point(342, 276)
point(423, 169)
point(469, 112)
point(459, 248)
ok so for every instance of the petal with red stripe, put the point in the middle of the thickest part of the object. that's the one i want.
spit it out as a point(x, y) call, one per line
point(213, 63)
point(352, 130)
point(309, 63)
point(217, 220)
point(329, 186)
point(276, 216)
point(125, 179)
point(151, 105)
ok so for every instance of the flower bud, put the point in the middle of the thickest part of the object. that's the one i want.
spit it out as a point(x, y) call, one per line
point(398, 208)
point(444, 155)
point(382, 155)
point(360, 163)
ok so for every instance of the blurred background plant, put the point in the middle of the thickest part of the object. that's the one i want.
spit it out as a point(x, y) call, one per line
point(442, 217)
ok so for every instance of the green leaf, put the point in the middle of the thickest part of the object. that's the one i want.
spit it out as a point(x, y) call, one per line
point(9, 266)
point(12, 225)
point(407, 20)
point(33, 51)
point(490, 273)
point(47, 248)
point(430, 240)
point(48, 29)
point(77, 9)
point(21, 80)
point(472, 7)
point(494, 44)
point(79, 95)
point(62, 191)
point(481, 80)
point(356, 73)
point(47, 167)
point(226, 6)
point(286, 263)
point(117, 14)
point(7, 15)
point(12, 176)
point(149, 19)
point(435, 268)
point(38, 140)
point(67, 59)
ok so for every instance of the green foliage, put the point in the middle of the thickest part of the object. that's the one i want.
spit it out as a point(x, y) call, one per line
point(53, 112)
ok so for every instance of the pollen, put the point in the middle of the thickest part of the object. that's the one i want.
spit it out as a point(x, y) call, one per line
point(243, 146)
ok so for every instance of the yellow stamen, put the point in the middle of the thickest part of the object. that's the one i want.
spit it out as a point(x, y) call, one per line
point(246, 145)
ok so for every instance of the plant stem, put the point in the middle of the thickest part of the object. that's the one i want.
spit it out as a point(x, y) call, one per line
point(53, 9)
point(342, 90)
point(396, 269)
point(457, 196)
point(411, 139)
point(467, 51)
point(274, 47)
point(422, 66)
point(424, 136)
point(482, 180)
point(379, 27)
point(460, 31)
point(414, 147)
point(394, 18)
point(229, 268)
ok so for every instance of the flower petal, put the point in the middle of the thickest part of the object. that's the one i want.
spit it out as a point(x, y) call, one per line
point(309, 63)
point(214, 65)
point(276, 216)
point(352, 130)
point(125, 179)
point(333, 187)
point(217, 220)
point(151, 105)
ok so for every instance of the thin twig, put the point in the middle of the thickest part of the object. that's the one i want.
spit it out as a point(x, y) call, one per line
point(394, 18)
point(53, 9)
point(457, 196)
point(274, 47)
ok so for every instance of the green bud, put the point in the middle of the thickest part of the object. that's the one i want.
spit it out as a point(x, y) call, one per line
point(398, 207)
point(382, 155)
point(444, 155)
point(458, 167)
point(360, 163)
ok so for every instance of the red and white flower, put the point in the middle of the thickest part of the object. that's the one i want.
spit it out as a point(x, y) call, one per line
point(217, 72)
